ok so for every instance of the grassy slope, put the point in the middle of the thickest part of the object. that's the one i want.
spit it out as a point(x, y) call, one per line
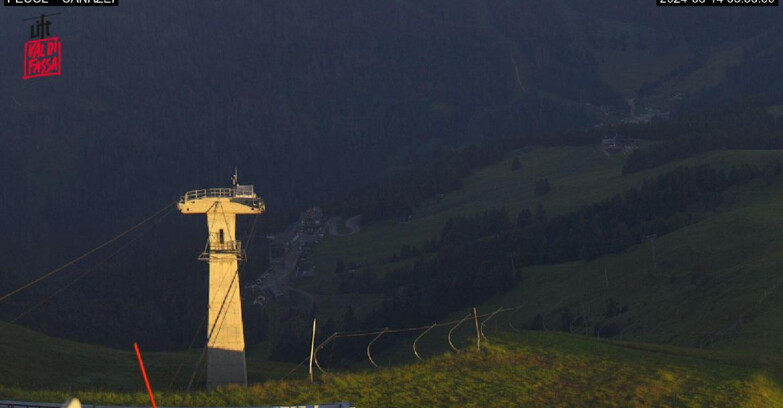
point(34, 361)
point(741, 250)
point(627, 70)
point(578, 175)
point(529, 369)
point(739, 246)
point(740, 243)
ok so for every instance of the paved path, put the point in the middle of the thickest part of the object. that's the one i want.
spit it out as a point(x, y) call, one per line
point(352, 224)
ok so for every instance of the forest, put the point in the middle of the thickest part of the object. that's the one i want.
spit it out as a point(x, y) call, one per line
point(361, 108)
point(471, 260)
point(740, 126)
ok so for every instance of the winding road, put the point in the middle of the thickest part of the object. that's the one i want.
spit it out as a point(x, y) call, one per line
point(353, 225)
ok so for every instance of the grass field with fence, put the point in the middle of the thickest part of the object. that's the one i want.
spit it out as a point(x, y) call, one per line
point(531, 369)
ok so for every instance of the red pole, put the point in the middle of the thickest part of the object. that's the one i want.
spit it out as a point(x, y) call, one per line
point(144, 374)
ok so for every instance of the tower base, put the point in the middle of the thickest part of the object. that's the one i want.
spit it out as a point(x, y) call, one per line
point(225, 367)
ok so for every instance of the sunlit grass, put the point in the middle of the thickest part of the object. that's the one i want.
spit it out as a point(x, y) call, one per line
point(528, 369)
point(33, 360)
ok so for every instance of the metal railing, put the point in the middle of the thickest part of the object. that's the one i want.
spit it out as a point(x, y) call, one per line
point(240, 191)
point(208, 193)
point(228, 247)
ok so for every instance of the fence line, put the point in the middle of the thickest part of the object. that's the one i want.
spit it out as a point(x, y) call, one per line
point(369, 355)
point(415, 352)
point(483, 324)
point(455, 328)
point(376, 334)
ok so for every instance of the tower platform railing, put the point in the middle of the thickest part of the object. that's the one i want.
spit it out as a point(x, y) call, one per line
point(207, 193)
point(239, 192)
point(223, 248)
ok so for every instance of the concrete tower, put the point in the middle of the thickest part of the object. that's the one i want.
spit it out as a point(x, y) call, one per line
point(223, 251)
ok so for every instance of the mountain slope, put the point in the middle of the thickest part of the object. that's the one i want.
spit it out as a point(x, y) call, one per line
point(36, 362)
point(529, 369)
point(578, 176)
point(715, 285)
point(309, 101)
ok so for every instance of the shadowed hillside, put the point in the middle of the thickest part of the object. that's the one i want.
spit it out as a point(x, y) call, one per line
point(310, 100)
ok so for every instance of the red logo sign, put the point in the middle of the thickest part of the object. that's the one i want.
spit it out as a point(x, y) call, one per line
point(42, 57)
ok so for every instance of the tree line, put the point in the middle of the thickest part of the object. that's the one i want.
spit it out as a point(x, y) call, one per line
point(734, 127)
point(470, 261)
